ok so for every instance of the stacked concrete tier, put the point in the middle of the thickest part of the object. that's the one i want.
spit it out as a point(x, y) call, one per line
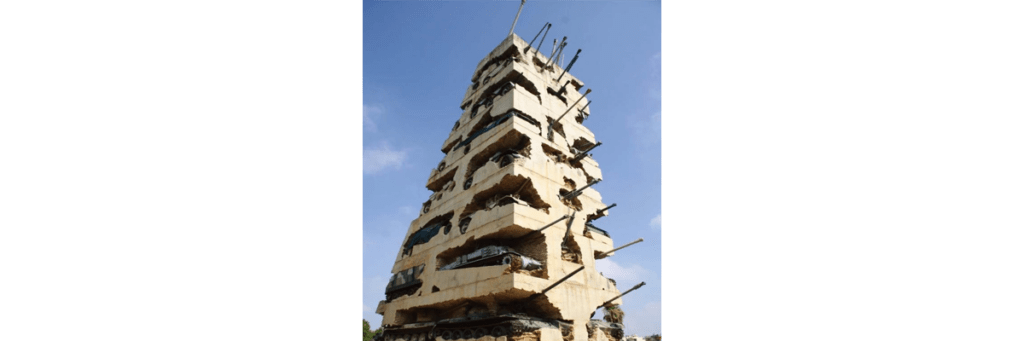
point(473, 265)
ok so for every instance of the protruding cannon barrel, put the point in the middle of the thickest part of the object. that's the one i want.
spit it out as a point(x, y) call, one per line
point(583, 154)
point(551, 126)
point(517, 17)
point(620, 295)
point(546, 26)
point(564, 217)
point(574, 104)
point(577, 192)
point(601, 211)
point(605, 254)
point(552, 286)
point(551, 60)
point(570, 65)
point(585, 106)
point(568, 229)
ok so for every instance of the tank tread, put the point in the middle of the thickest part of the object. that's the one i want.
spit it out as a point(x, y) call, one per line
point(470, 329)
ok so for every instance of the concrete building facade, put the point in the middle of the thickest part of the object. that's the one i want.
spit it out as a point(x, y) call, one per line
point(505, 248)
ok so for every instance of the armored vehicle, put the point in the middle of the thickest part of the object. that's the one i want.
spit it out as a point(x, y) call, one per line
point(475, 327)
point(492, 255)
point(404, 282)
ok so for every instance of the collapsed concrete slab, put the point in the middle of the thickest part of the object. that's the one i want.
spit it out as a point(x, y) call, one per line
point(504, 248)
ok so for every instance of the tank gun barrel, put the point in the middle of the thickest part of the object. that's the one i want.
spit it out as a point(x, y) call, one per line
point(577, 192)
point(564, 217)
point(585, 106)
point(570, 65)
point(605, 254)
point(554, 53)
point(583, 154)
point(546, 26)
point(568, 230)
point(552, 286)
point(601, 211)
point(517, 17)
point(622, 294)
point(574, 105)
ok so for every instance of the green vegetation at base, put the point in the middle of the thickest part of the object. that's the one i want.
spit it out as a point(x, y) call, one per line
point(367, 333)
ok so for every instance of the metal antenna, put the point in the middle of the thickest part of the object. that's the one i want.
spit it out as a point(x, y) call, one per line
point(546, 25)
point(517, 17)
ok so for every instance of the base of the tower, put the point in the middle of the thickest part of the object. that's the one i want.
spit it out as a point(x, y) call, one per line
point(499, 328)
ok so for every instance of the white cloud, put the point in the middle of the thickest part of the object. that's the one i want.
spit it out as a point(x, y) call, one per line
point(369, 113)
point(376, 160)
point(622, 275)
point(656, 222)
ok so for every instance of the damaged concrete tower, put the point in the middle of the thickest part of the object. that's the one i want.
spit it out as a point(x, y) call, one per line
point(504, 248)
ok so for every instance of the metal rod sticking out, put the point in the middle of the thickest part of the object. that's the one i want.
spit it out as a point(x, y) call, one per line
point(585, 106)
point(570, 64)
point(541, 43)
point(551, 126)
point(577, 192)
point(582, 155)
point(574, 105)
point(601, 211)
point(546, 25)
point(568, 228)
point(561, 46)
point(605, 254)
point(517, 17)
point(564, 217)
point(562, 280)
point(622, 294)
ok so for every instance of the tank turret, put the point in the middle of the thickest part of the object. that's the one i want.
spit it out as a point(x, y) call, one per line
point(492, 255)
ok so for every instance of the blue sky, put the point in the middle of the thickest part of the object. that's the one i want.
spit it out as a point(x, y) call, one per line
point(418, 57)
